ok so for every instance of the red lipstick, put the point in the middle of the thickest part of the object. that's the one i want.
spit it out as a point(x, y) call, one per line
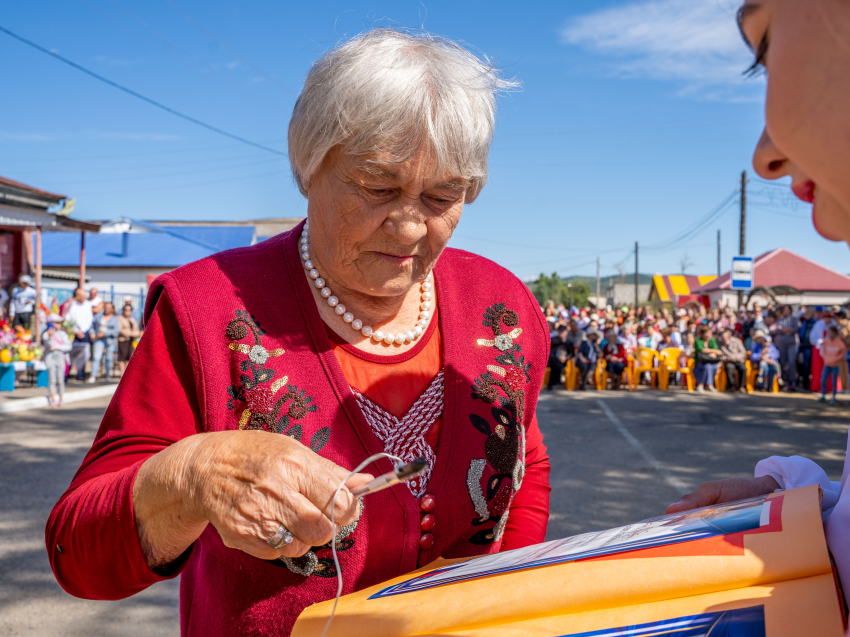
point(805, 191)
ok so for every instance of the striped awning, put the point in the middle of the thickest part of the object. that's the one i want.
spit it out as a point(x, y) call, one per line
point(665, 288)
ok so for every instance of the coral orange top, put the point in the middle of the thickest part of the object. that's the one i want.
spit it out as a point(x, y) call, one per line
point(394, 382)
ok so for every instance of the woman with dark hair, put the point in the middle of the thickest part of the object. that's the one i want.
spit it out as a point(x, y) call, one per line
point(802, 47)
point(787, 341)
point(707, 355)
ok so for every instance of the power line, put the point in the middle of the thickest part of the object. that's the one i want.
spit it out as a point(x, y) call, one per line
point(159, 105)
point(775, 184)
point(521, 245)
point(695, 229)
point(221, 42)
point(227, 82)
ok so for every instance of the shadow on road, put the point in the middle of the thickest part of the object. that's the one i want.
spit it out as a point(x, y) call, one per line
point(600, 480)
point(40, 450)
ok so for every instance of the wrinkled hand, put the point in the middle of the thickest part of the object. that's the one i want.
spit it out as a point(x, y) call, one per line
point(246, 484)
point(719, 491)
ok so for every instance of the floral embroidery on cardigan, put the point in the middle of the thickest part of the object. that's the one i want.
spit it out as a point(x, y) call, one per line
point(502, 386)
point(311, 564)
point(257, 387)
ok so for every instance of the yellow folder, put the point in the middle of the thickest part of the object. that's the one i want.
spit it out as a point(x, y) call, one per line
point(753, 568)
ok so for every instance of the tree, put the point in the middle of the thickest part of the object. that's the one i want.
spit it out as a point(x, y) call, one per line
point(685, 262)
point(554, 288)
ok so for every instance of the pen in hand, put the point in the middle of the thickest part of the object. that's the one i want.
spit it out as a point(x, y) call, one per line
point(401, 473)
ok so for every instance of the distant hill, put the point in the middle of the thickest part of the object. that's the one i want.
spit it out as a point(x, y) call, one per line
point(605, 281)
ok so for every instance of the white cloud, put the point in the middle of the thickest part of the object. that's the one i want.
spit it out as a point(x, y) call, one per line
point(692, 40)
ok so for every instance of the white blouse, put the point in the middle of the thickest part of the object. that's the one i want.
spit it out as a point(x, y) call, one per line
point(797, 471)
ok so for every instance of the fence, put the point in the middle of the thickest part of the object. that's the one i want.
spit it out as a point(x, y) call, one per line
point(117, 298)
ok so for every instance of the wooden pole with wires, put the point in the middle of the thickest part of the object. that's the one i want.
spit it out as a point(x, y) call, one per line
point(743, 237)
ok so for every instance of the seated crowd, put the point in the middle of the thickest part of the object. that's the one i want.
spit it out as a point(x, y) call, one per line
point(803, 348)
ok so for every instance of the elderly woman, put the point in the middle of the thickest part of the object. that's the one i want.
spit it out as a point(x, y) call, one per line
point(266, 373)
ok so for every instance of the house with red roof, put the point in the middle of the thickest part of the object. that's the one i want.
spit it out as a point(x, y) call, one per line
point(782, 276)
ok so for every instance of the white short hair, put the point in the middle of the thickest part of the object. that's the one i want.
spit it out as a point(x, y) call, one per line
point(390, 91)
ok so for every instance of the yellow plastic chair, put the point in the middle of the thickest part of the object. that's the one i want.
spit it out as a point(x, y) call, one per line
point(753, 374)
point(626, 380)
point(670, 365)
point(720, 379)
point(571, 375)
point(597, 375)
point(646, 360)
point(546, 375)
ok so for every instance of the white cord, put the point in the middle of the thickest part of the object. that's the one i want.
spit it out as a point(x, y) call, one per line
point(357, 469)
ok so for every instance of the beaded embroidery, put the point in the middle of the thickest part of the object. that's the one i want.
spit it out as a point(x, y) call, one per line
point(257, 388)
point(311, 564)
point(503, 387)
point(405, 437)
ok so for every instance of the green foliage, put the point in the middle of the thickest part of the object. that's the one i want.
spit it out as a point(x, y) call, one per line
point(556, 289)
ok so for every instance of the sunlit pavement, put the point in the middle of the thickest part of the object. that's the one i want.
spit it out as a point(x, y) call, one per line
point(612, 471)
point(40, 450)
point(613, 462)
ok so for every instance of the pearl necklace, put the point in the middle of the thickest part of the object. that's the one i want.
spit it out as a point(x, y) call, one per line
point(356, 324)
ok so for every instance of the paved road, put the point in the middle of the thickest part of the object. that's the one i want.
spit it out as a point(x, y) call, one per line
point(40, 450)
point(610, 469)
point(617, 457)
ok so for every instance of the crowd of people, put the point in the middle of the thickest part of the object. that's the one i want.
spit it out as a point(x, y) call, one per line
point(84, 329)
point(100, 335)
point(800, 348)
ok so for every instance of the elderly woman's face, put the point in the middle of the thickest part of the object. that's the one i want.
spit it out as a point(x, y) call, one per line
point(378, 228)
point(803, 45)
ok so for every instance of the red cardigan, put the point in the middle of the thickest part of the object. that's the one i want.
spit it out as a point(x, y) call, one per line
point(219, 334)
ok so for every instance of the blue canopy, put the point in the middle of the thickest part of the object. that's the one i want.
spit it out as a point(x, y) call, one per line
point(162, 247)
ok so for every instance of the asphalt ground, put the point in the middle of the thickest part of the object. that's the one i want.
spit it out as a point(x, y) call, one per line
point(617, 457)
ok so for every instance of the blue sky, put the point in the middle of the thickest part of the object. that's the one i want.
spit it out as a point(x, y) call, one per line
point(633, 122)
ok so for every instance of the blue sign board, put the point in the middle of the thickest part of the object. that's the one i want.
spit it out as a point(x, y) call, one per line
point(741, 275)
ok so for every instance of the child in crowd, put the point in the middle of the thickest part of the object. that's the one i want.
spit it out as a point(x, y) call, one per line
point(666, 339)
point(56, 347)
point(766, 356)
point(688, 347)
point(833, 351)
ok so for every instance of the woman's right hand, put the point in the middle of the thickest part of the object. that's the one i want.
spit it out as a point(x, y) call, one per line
point(246, 484)
point(720, 491)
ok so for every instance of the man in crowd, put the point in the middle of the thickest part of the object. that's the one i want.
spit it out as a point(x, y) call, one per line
point(735, 360)
point(560, 351)
point(80, 311)
point(807, 322)
point(628, 338)
point(588, 354)
point(95, 301)
point(650, 338)
point(575, 335)
point(23, 302)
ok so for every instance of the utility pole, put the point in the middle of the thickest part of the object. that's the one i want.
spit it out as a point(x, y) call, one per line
point(743, 241)
point(636, 276)
point(597, 282)
point(570, 286)
point(718, 253)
